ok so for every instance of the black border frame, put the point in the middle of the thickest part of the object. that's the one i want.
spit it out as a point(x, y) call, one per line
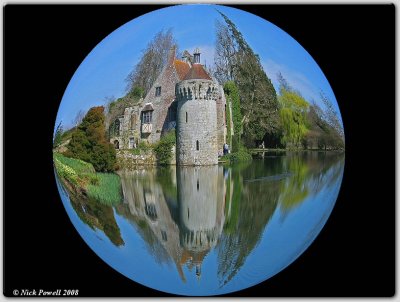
point(354, 45)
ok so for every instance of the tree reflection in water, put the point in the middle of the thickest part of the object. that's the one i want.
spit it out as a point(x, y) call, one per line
point(183, 213)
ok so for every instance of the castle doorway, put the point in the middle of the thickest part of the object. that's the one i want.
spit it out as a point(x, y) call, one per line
point(116, 144)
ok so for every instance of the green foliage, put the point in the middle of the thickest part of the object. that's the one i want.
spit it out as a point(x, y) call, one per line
point(97, 215)
point(78, 165)
point(76, 171)
point(163, 177)
point(232, 204)
point(67, 134)
point(107, 190)
point(242, 155)
point(135, 151)
point(58, 136)
point(89, 142)
point(232, 92)
point(66, 172)
point(235, 60)
point(293, 117)
point(321, 135)
point(144, 146)
point(104, 187)
point(228, 122)
point(332, 116)
point(136, 93)
point(294, 192)
point(163, 148)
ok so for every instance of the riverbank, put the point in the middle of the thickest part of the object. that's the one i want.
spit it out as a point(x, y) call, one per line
point(81, 178)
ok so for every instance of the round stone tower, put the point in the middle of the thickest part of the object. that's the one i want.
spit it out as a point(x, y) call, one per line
point(196, 94)
point(199, 207)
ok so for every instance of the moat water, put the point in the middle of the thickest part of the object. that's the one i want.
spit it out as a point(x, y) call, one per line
point(212, 230)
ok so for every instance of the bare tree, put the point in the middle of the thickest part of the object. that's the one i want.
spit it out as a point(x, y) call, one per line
point(78, 118)
point(225, 54)
point(152, 62)
point(331, 115)
point(283, 83)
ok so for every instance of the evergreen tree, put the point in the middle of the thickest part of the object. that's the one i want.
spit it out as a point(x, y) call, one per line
point(89, 142)
point(235, 60)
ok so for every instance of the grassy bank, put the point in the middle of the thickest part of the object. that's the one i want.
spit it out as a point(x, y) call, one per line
point(104, 187)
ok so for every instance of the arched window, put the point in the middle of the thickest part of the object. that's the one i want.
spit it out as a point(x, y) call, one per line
point(197, 145)
point(116, 144)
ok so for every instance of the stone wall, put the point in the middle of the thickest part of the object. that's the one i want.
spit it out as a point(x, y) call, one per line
point(221, 120)
point(127, 160)
point(197, 142)
point(207, 122)
point(166, 80)
point(200, 206)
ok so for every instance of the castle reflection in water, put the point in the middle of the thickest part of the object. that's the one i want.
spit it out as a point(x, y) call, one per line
point(185, 215)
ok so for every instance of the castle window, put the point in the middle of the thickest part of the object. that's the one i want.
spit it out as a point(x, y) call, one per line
point(147, 117)
point(197, 145)
point(158, 91)
point(132, 143)
point(164, 235)
point(198, 185)
point(186, 117)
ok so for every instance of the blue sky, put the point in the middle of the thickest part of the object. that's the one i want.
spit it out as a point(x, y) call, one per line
point(103, 72)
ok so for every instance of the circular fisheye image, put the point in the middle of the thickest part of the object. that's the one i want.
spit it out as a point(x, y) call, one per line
point(198, 150)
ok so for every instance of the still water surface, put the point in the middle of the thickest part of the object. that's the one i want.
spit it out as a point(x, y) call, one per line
point(212, 230)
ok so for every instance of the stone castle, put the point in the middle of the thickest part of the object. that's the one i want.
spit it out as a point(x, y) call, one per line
point(184, 97)
point(185, 228)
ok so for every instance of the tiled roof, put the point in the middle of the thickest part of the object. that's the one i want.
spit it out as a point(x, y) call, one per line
point(197, 72)
point(181, 68)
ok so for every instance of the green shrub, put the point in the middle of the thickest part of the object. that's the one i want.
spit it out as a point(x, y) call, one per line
point(144, 146)
point(135, 151)
point(242, 155)
point(163, 148)
point(89, 142)
point(232, 92)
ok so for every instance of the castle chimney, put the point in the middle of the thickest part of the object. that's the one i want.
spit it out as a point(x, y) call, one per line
point(196, 55)
point(171, 55)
